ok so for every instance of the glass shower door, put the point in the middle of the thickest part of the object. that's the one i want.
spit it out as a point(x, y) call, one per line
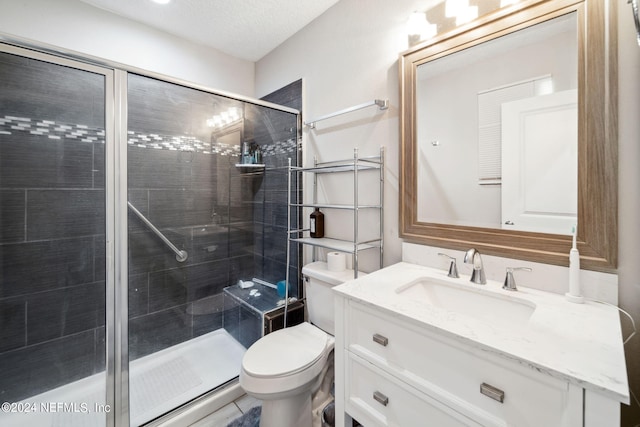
point(181, 250)
point(202, 217)
point(53, 235)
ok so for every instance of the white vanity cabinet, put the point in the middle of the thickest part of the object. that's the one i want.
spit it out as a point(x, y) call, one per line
point(400, 362)
point(398, 374)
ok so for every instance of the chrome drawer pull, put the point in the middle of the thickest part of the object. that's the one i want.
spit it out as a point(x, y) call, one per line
point(382, 340)
point(381, 398)
point(492, 392)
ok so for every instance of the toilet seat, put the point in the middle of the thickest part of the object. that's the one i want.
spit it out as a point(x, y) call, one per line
point(286, 352)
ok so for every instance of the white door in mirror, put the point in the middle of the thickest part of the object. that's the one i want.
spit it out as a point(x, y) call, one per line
point(540, 165)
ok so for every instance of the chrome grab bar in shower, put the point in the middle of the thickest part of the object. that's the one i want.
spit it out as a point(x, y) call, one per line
point(181, 256)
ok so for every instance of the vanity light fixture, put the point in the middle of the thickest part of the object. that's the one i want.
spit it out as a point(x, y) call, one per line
point(419, 28)
point(161, 1)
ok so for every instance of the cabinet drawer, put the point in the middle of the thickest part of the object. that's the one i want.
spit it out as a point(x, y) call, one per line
point(454, 373)
point(376, 398)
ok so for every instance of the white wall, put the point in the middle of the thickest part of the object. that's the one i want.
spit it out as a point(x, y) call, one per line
point(349, 55)
point(346, 57)
point(77, 26)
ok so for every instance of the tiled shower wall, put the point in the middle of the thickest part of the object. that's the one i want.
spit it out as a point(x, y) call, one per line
point(52, 225)
point(269, 204)
point(205, 205)
point(52, 294)
point(270, 217)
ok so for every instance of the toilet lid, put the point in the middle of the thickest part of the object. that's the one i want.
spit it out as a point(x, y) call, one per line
point(285, 351)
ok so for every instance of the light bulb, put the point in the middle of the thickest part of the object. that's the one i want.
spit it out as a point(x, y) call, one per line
point(504, 3)
point(417, 21)
point(467, 15)
point(419, 26)
point(454, 8)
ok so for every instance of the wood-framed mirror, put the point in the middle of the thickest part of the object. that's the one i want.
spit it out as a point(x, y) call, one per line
point(594, 161)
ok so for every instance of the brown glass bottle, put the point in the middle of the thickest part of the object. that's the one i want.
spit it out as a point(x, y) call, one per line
point(316, 223)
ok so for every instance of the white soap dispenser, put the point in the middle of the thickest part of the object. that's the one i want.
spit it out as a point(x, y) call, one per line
point(574, 273)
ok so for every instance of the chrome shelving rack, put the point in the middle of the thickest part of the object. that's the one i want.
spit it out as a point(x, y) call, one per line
point(355, 167)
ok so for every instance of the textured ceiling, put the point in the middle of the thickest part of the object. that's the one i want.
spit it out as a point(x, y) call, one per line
point(246, 29)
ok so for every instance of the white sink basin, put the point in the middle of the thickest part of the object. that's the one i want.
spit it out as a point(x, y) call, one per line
point(499, 310)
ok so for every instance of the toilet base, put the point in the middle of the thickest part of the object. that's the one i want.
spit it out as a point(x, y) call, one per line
point(294, 411)
point(323, 396)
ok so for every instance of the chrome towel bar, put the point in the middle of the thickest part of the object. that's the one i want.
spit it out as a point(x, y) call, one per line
point(383, 104)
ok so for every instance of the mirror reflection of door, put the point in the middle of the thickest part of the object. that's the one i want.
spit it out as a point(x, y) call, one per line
point(459, 177)
point(540, 163)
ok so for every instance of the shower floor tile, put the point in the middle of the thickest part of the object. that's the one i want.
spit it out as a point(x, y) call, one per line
point(159, 383)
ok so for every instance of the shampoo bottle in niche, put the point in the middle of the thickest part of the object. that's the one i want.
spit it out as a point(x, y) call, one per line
point(316, 223)
point(574, 273)
point(245, 154)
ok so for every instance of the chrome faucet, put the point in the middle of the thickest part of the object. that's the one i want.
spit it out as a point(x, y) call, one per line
point(473, 257)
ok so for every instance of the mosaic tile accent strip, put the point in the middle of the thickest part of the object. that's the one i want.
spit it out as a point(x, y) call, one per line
point(10, 125)
point(281, 147)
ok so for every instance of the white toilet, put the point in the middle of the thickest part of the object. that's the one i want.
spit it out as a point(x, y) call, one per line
point(291, 370)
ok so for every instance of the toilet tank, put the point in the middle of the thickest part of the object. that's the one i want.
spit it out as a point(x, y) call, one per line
point(318, 281)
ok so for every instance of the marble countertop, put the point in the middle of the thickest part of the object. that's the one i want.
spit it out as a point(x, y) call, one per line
point(581, 343)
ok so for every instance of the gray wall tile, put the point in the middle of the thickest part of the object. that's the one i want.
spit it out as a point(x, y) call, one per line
point(12, 207)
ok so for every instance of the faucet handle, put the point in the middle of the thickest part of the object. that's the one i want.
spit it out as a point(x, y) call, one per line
point(453, 268)
point(510, 281)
